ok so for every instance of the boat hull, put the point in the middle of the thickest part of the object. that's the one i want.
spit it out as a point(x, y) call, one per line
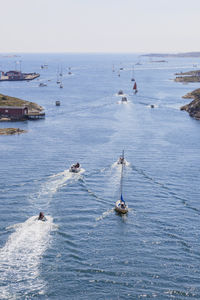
point(73, 169)
point(119, 209)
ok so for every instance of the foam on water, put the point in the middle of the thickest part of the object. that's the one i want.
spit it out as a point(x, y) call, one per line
point(105, 214)
point(54, 182)
point(20, 258)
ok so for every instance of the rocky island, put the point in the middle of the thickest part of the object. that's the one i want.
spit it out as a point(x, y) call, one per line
point(15, 109)
point(193, 108)
point(191, 76)
point(11, 131)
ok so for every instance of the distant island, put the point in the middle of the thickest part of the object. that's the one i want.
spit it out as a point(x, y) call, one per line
point(186, 54)
point(193, 108)
point(190, 76)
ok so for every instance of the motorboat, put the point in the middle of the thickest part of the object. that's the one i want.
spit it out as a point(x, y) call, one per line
point(57, 103)
point(42, 217)
point(120, 92)
point(75, 168)
point(121, 159)
point(42, 84)
point(124, 99)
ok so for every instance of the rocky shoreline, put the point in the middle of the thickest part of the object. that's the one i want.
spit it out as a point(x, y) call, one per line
point(191, 76)
point(193, 108)
point(12, 101)
point(11, 131)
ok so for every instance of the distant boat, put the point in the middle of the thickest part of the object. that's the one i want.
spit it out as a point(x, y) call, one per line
point(44, 66)
point(69, 72)
point(61, 72)
point(75, 168)
point(57, 103)
point(124, 99)
point(120, 205)
point(135, 87)
point(120, 92)
point(132, 76)
point(42, 84)
point(61, 85)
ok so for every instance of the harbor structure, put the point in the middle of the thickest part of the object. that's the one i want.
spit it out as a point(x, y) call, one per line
point(17, 76)
point(19, 113)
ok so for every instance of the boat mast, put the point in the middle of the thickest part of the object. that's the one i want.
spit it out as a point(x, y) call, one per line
point(121, 183)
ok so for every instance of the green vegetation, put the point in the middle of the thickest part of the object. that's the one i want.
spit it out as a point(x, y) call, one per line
point(12, 101)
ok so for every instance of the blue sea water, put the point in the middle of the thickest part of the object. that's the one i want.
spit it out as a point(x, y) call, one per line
point(85, 250)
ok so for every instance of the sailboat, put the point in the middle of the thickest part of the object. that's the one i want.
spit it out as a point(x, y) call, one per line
point(69, 72)
point(135, 87)
point(120, 206)
point(58, 77)
point(132, 78)
point(61, 85)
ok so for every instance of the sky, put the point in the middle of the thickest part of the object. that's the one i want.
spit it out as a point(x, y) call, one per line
point(99, 26)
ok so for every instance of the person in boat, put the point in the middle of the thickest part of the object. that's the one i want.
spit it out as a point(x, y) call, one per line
point(123, 204)
point(121, 160)
point(41, 216)
point(77, 165)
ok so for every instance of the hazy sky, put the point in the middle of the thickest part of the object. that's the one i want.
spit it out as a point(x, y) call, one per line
point(99, 25)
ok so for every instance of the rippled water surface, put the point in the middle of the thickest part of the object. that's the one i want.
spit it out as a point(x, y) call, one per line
point(85, 250)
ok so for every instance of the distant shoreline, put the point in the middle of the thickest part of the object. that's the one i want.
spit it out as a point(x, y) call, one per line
point(184, 54)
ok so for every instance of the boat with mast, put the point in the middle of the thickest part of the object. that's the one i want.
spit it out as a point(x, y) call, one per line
point(135, 88)
point(132, 77)
point(120, 206)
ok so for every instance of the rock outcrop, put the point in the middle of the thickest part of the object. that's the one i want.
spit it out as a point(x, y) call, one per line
point(11, 131)
point(193, 108)
point(12, 101)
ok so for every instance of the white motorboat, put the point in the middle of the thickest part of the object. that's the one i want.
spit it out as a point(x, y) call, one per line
point(75, 168)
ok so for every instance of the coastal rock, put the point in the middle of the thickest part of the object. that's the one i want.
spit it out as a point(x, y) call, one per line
point(11, 131)
point(193, 108)
point(12, 101)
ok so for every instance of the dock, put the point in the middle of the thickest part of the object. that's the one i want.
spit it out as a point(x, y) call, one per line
point(36, 115)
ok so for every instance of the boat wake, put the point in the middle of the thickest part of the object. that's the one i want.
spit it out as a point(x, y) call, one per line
point(20, 259)
point(47, 190)
point(105, 214)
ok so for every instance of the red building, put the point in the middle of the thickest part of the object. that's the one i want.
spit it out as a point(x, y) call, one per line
point(14, 112)
point(14, 75)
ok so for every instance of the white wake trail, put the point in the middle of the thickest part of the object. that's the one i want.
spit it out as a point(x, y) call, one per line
point(20, 258)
